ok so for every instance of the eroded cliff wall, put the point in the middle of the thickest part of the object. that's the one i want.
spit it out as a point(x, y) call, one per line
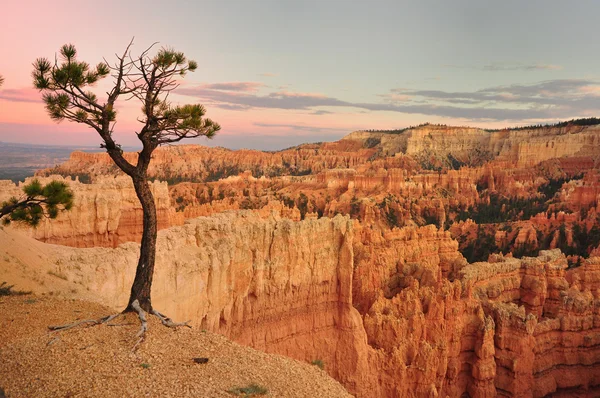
point(106, 213)
point(389, 315)
point(261, 280)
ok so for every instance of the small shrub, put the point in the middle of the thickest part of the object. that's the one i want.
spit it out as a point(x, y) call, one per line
point(249, 391)
point(319, 363)
point(145, 365)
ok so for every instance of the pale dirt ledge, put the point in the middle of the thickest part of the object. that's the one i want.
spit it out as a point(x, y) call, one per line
point(98, 361)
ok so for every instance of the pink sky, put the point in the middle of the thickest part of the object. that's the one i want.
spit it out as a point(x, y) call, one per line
point(275, 74)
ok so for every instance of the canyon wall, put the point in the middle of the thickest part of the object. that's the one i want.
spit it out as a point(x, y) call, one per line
point(399, 314)
point(523, 147)
point(471, 146)
point(390, 306)
point(106, 213)
point(260, 280)
point(198, 163)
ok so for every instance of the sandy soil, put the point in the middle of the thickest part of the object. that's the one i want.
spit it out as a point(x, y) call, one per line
point(98, 361)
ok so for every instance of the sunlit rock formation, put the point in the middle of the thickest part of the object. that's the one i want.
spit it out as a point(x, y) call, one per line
point(106, 213)
point(383, 313)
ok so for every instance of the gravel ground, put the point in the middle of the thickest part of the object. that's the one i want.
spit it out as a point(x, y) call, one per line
point(98, 361)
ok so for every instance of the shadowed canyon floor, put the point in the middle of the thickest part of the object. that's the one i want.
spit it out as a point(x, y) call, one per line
point(433, 261)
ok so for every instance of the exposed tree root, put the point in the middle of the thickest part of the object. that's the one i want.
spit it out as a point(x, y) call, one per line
point(169, 322)
point(99, 321)
point(165, 320)
point(143, 321)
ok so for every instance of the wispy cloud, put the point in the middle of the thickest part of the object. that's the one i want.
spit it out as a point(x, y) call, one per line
point(268, 74)
point(495, 67)
point(321, 112)
point(21, 95)
point(504, 66)
point(235, 86)
point(275, 100)
point(546, 100)
point(301, 127)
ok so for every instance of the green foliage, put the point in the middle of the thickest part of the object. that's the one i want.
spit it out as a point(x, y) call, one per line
point(40, 201)
point(145, 365)
point(288, 202)
point(454, 163)
point(389, 212)
point(65, 85)
point(223, 172)
point(302, 204)
point(527, 249)
point(319, 363)
point(480, 248)
point(583, 241)
point(249, 391)
point(501, 209)
point(372, 142)
point(391, 218)
point(430, 217)
point(400, 131)
point(553, 185)
point(149, 80)
point(482, 184)
point(354, 207)
point(591, 121)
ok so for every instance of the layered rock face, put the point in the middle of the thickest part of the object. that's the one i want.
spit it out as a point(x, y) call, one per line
point(546, 327)
point(391, 306)
point(263, 281)
point(106, 213)
point(513, 328)
point(394, 315)
point(523, 147)
point(197, 163)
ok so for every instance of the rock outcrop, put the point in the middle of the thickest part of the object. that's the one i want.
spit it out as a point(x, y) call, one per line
point(383, 297)
point(106, 213)
point(523, 147)
point(511, 327)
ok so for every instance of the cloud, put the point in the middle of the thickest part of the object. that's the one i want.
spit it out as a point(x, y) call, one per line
point(274, 100)
point(503, 66)
point(301, 127)
point(551, 99)
point(21, 95)
point(267, 74)
point(494, 67)
point(235, 86)
point(321, 112)
point(546, 100)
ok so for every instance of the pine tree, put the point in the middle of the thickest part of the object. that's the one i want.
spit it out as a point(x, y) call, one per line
point(148, 79)
point(38, 202)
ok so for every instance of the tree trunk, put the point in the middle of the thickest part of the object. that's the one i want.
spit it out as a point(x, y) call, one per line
point(142, 284)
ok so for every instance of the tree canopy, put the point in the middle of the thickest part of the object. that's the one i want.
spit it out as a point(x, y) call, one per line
point(66, 90)
point(39, 201)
